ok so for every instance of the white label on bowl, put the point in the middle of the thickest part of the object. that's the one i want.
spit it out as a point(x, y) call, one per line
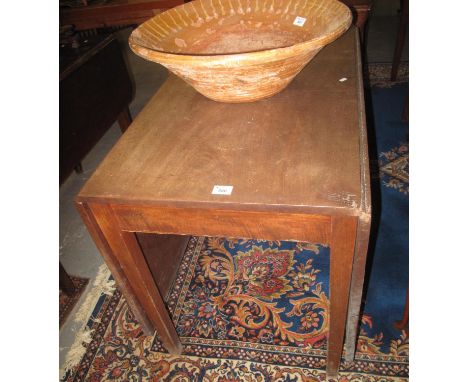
point(222, 190)
point(299, 21)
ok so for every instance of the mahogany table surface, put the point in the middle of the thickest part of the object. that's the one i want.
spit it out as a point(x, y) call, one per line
point(300, 150)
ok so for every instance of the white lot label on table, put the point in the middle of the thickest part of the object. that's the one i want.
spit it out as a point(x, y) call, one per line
point(299, 21)
point(222, 190)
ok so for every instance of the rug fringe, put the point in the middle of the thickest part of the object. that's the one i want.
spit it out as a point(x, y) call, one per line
point(77, 350)
point(101, 285)
point(84, 335)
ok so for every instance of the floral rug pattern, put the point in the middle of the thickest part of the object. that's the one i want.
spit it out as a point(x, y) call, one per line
point(256, 292)
point(378, 74)
point(245, 310)
point(394, 168)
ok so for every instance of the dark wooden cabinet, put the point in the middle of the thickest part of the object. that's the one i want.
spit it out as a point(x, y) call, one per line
point(95, 91)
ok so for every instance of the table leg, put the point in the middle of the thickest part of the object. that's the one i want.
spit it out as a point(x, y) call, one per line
point(361, 20)
point(404, 19)
point(124, 255)
point(124, 119)
point(114, 267)
point(403, 323)
point(342, 244)
point(66, 283)
point(78, 168)
point(357, 283)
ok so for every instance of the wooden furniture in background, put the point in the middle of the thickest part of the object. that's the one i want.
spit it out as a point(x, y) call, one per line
point(405, 114)
point(400, 42)
point(298, 164)
point(65, 282)
point(403, 323)
point(134, 12)
point(361, 10)
point(95, 91)
point(114, 13)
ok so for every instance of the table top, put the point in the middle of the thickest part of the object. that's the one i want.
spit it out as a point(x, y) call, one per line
point(302, 150)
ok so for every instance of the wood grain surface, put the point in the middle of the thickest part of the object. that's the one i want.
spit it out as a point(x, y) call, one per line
point(114, 13)
point(127, 253)
point(115, 267)
point(297, 151)
point(363, 227)
point(342, 245)
point(223, 223)
point(163, 254)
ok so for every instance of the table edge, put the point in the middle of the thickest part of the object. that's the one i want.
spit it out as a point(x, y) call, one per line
point(251, 207)
point(365, 199)
point(361, 210)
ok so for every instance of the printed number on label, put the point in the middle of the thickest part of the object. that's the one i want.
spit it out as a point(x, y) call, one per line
point(222, 190)
point(299, 21)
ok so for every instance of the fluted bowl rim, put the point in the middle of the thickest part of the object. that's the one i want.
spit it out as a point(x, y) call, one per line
point(234, 59)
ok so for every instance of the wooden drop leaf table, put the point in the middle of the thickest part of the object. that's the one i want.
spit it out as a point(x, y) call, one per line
point(298, 166)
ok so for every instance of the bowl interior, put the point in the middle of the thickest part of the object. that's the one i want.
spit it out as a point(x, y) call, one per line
point(209, 27)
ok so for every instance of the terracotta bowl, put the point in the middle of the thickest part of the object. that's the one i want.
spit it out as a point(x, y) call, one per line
point(240, 50)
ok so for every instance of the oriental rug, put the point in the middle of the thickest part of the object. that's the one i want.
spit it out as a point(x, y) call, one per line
point(249, 310)
point(378, 74)
point(66, 302)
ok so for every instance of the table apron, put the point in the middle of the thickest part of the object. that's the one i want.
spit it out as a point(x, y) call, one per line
point(224, 223)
